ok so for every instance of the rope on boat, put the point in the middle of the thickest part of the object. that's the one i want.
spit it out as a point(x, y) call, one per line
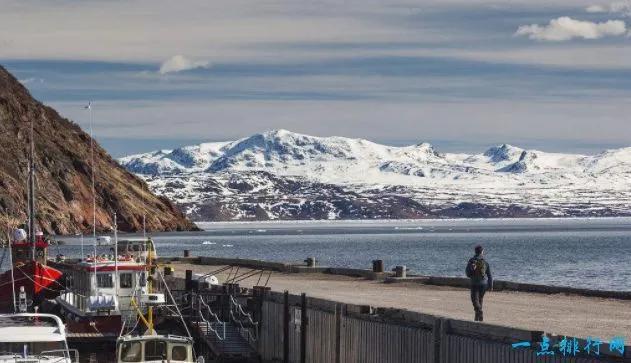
point(37, 283)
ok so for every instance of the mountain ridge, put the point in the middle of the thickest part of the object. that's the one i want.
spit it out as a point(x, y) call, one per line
point(275, 144)
point(260, 173)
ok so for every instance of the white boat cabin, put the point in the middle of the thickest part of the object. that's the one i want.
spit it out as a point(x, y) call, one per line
point(102, 286)
point(154, 348)
point(34, 338)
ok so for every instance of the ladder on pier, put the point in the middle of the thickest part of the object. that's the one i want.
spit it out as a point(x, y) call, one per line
point(229, 345)
point(230, 339)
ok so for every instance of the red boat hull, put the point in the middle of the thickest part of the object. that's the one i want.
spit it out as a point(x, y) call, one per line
point(40, 282)
point(103, 326)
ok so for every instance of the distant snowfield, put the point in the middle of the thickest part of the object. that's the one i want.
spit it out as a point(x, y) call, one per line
point(285, 175)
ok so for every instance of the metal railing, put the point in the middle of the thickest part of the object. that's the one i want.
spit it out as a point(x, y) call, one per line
point(71, 354)
point(48, 356)
point(252, 337)
point(209, 326)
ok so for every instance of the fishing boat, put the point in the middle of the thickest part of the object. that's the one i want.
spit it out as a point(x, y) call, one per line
point(34, 338)
point(142, 343)
point(29, 272)
point(98, 293)
point(29, 254)
point(155, 348)
point(96, 301)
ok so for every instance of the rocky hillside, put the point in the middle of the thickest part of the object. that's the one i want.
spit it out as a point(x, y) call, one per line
point(284, 175)
point(64, 199)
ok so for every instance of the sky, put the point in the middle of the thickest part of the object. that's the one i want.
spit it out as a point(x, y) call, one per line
point(553, 75)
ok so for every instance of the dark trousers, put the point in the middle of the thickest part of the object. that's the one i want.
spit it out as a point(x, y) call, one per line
point(477, 297)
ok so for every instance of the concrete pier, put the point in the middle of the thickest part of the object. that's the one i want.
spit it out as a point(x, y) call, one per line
point(550, 310)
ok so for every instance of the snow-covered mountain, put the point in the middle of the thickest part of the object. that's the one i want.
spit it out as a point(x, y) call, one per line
point(284, 175)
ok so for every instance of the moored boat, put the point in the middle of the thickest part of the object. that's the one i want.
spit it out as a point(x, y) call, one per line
point(34, 338)
point(99, 290)
point(142, 343)
point(28, 272)
point(38, 280)
point(154, 348)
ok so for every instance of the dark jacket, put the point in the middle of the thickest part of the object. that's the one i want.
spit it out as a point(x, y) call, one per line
point(476, 281)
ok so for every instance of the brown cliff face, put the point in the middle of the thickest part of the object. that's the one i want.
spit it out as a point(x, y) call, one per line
point(63, 174)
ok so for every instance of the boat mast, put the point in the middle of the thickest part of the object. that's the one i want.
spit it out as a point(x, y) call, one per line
point(31, 194)
point(89, 107)
point(10, 247)
point(116, 276)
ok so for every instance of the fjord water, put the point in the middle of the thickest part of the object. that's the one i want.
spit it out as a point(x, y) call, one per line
point(583, 253)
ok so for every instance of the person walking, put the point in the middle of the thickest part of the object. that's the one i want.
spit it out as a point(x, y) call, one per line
point(479, 272)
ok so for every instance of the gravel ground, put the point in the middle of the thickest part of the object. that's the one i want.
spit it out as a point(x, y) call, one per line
point(557, 314)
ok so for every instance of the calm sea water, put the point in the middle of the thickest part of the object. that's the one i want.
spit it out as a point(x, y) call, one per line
point(586, 253)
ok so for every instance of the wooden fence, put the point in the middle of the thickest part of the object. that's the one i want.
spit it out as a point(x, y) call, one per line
point(296, 329)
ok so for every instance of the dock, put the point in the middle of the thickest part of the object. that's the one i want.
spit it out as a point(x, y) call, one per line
point(308, 314)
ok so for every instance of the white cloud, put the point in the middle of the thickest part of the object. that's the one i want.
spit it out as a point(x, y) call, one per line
point(623, 7)
point(596, 9)
point(566, 28)
point(31, 80)
point(179, 63)
point(619, 7)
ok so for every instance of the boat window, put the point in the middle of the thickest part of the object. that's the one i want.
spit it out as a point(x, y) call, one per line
point(126, 280)
point(155, 350)
point(104, 280)
point(179, 352)
point(131, 352)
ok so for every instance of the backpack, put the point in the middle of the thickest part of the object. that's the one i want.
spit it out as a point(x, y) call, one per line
point(479, 269)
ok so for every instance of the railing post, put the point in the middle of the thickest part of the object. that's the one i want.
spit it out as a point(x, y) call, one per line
point(191, 301)
point(444, 329)
point(303, 328)
point(188, 282)
point(338, 333)
point(436, 338)
point(286, 318)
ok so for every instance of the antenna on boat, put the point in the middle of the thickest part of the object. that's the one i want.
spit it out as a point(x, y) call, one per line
point(15, 307)
point(116, 277)
point(31, 193)
point(82, 253)
point(89, 108)
point(149, 263)
point(145, 245)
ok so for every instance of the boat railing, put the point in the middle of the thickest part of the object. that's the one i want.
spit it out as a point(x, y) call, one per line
point(212, 316)
point(64, 355)
point(48, 356)
point(251, 330)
